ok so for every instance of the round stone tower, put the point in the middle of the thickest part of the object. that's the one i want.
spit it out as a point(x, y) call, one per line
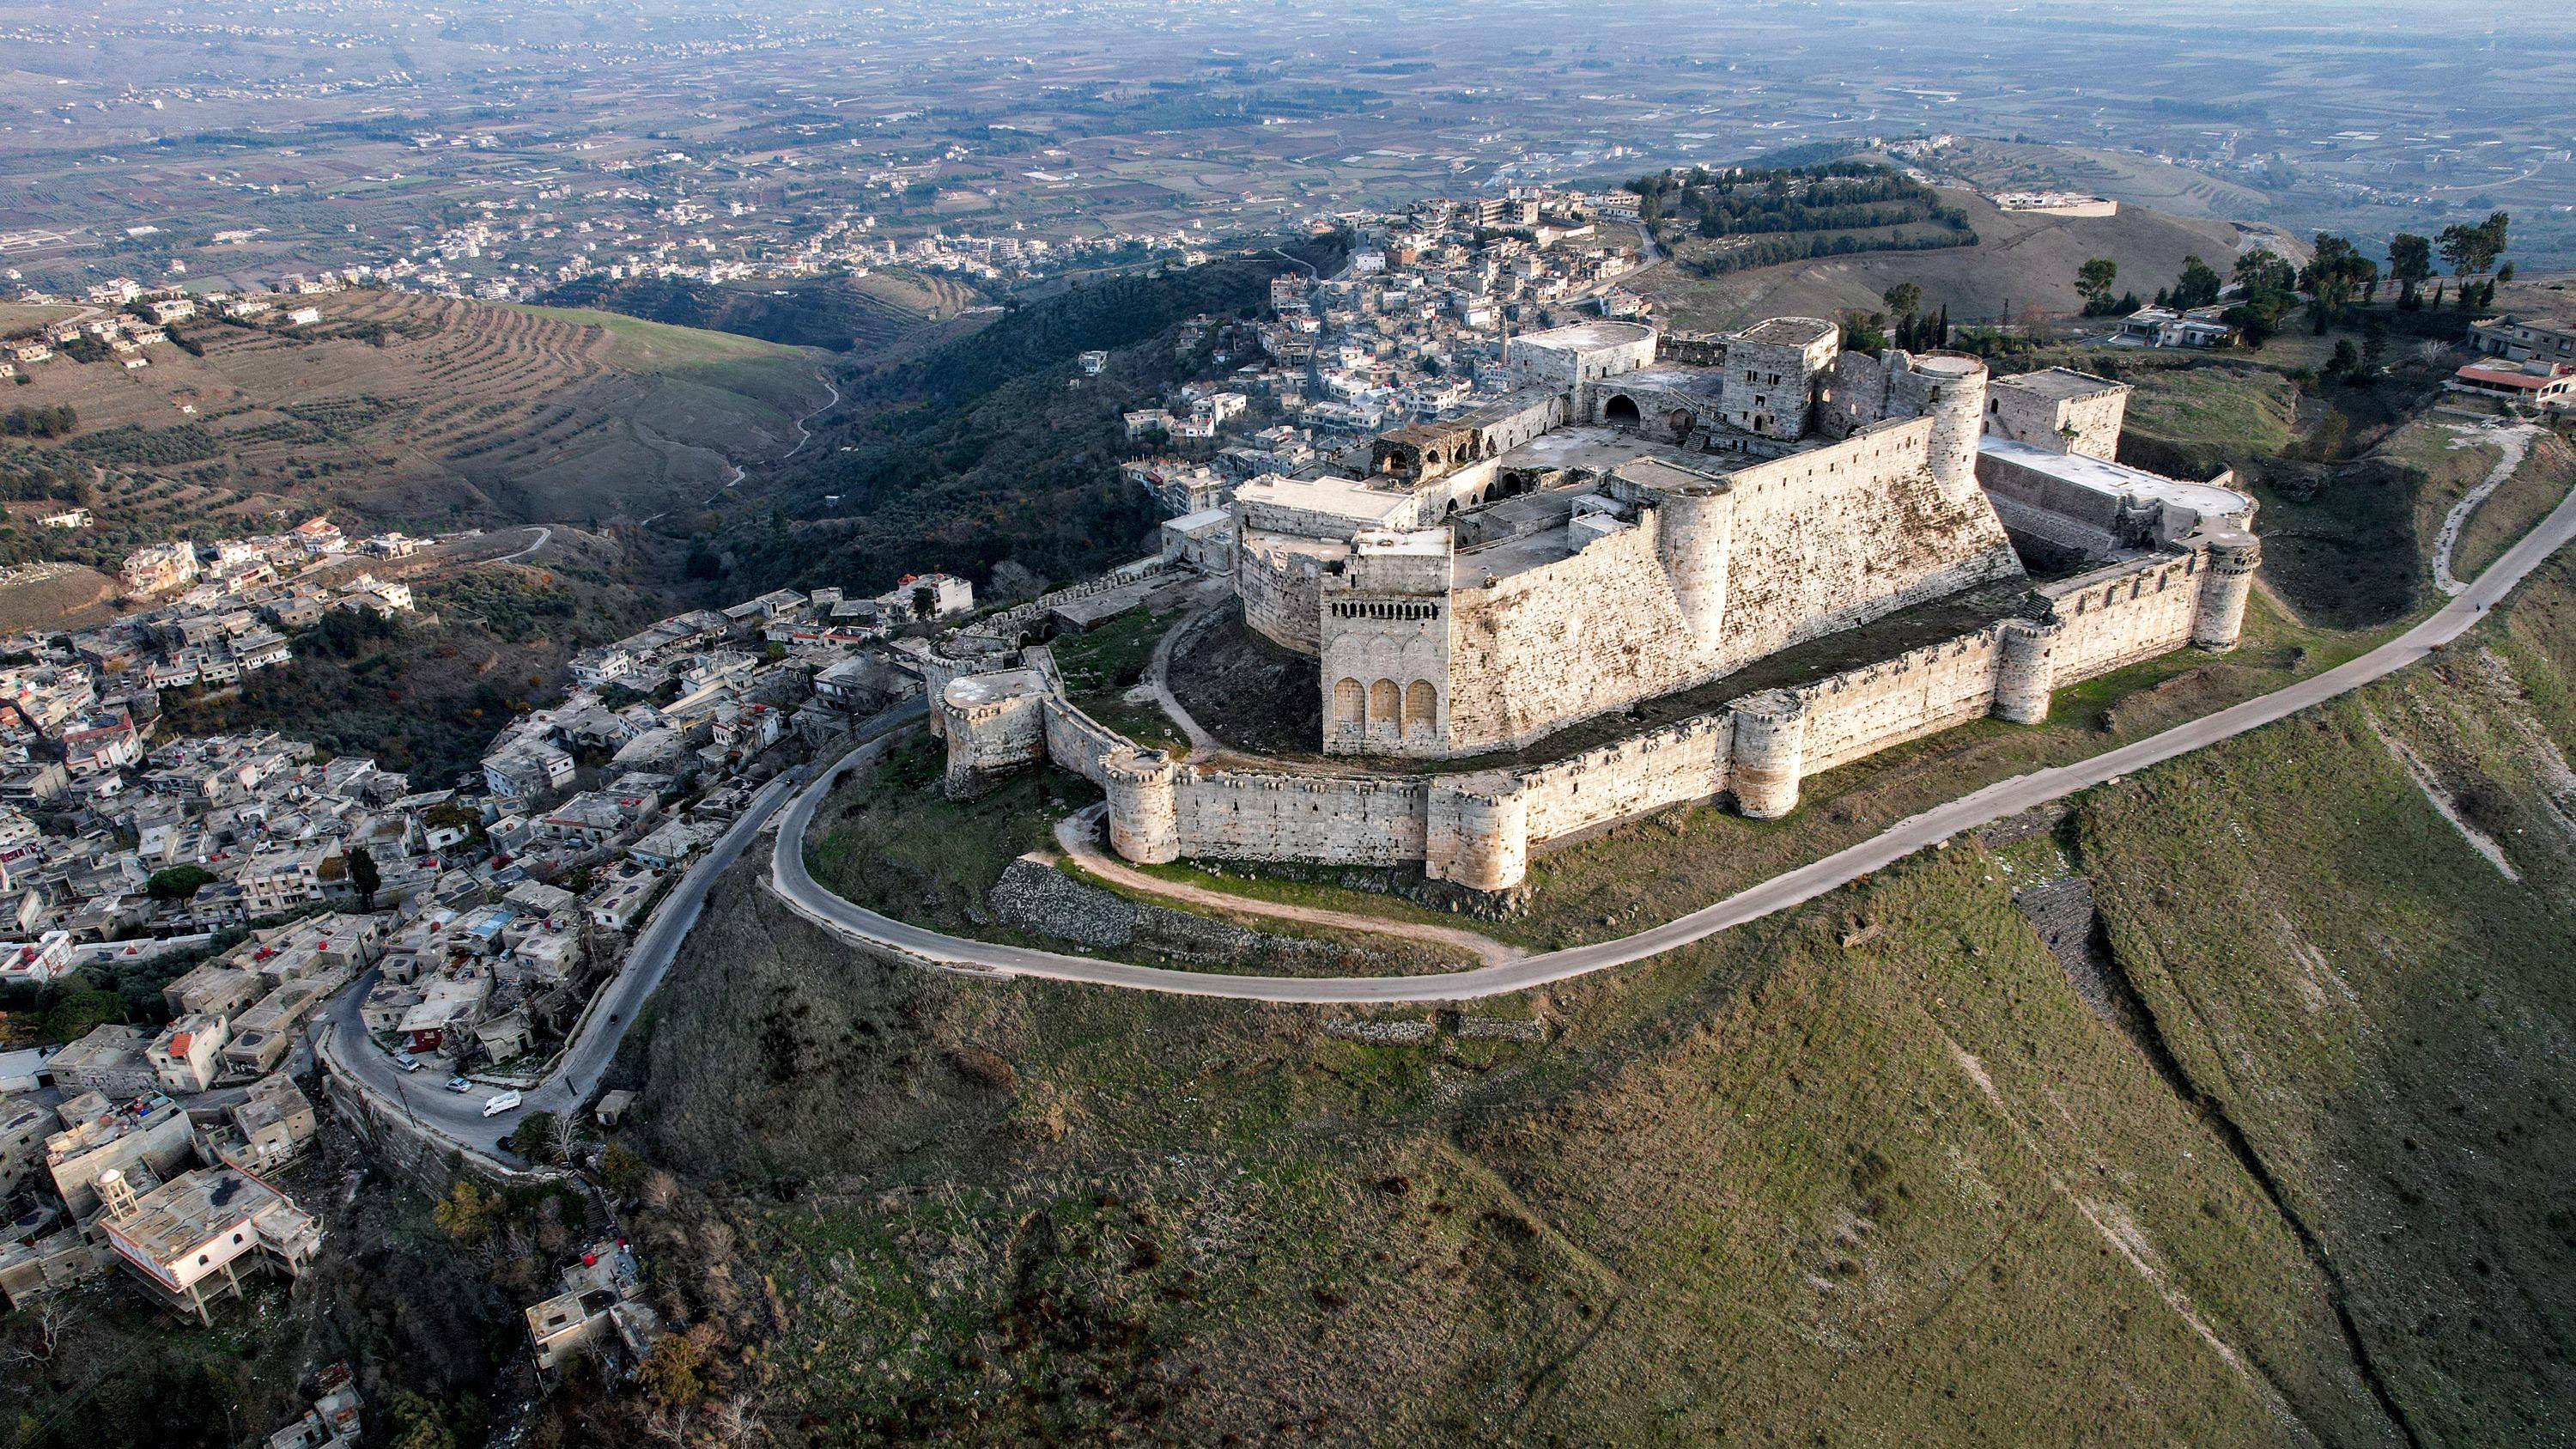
point(2220, 619)
point(1694, 530)
point(1950, 389)
point(1492, 852)
point(2025, 668)
point(1144, 813)
point(1770, 749)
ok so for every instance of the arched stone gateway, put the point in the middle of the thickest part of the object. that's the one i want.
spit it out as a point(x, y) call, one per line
point(1621, 411)
point(1679, 420)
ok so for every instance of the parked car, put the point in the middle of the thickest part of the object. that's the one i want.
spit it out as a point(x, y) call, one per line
point(500, 1102)
point(407, 1061)
point(459, 1085)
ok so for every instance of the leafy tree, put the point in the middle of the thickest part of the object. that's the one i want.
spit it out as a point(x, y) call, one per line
point(2335, 275)
point(2265, 270)
point(2198, 285)
point(178, 882)
point(82, 1010)
point(468, 1213)
point(924, 602)
point(418, 1423)
point(364, 875)
point(2410, 263)
point(2473, 249)
point(670, 1371)
point(2346, 362)
point(1903, 300)
point(534, 1137)
point(2094, 279)
point(1863, 331)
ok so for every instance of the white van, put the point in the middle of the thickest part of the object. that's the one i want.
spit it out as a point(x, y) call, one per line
point(500, 1102)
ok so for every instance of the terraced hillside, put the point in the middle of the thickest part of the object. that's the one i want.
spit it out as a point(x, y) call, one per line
point(408, 408)
point(876, 316)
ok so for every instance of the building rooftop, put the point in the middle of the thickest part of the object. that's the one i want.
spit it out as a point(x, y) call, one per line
point(1788, 331)
point(2060, 384)
point(1337, 497)
point(177, 1217)
point(2101, 475)
point(1584, 336)
point(968, 690)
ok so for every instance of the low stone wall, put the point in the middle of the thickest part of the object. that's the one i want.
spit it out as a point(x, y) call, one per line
point(1034, 896)
point(1078, 742)
point(1248, 815)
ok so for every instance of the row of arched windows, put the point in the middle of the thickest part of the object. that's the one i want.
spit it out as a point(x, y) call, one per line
point(1409, 709)
point(1379, 609)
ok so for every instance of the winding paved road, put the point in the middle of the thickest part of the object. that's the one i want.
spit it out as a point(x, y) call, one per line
point(576, 1074)
point(788, 876)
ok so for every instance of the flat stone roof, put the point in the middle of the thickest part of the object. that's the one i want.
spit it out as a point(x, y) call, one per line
point(2119, 480)
point(1584, 336)
point(1788, 331)
point(1600, 450)
point(971, 689)
point(1338, 497)
point(2059, 383)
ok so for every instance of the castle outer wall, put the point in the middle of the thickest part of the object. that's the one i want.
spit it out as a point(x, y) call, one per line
point(1479, 829)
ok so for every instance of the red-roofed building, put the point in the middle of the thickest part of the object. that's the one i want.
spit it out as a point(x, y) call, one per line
point(2548, 385)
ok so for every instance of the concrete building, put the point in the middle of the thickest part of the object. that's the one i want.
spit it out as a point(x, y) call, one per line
point(186, 1056)
point(600, 1301)
point(111, 1061)
point(2517, 339)
point(192, 1239)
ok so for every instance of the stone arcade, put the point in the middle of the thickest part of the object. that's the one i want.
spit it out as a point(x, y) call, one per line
point(1643, 519)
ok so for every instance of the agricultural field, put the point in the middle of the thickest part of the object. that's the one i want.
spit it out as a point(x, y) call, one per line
point(2020, 260)
point(422, 411)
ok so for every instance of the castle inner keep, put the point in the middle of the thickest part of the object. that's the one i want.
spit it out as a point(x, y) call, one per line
point(1642, 519)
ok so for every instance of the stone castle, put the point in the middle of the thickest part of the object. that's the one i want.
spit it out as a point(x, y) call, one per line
point(1703, 528)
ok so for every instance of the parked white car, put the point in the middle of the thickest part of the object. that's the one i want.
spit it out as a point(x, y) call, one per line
point(500, 1102)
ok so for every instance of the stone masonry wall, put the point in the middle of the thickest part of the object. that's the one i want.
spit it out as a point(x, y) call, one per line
point(1078, 742)
point(2120, 615)
point(2107, 619)
point(1551, 645)
point(1282, 591)
point(1249, 815)
point(1685, 760)
point(1837, 536)
point(1922, 692)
